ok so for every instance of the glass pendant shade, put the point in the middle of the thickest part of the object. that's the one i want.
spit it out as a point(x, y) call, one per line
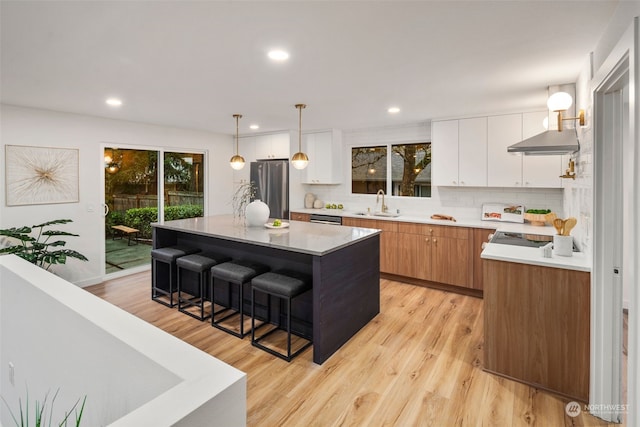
point(300, 160)
point(559, 101)
point(237, 162)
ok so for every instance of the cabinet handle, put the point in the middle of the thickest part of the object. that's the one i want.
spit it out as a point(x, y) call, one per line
point(431, 231)
point(435, 242)
point(454, 183)
point(461, 182)
point(426, 240)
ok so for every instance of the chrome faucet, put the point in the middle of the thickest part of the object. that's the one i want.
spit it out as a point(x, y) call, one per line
point(383, 208)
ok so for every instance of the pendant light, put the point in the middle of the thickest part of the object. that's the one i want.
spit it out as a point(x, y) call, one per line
point(300, 160)
point(237, 161)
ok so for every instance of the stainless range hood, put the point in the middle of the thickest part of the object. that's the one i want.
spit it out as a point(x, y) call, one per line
point(550, 142)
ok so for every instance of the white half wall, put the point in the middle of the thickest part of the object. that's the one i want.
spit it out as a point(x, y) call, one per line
point(43, 128)
point(58, 336)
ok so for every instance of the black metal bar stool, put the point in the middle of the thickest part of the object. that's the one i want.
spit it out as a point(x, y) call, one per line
point(237, 273)
point(200, 264)
point(285, 285)
point(166, 256)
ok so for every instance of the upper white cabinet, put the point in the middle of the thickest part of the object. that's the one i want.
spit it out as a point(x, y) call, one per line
point(504, 169)
point(539, 171)
point(325, 161)
point(472, 159)
point(444, 153)
point(459, 149)
point(473, 152)
point(273, 146)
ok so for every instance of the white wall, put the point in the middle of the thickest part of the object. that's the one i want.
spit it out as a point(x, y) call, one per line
point(43, 128)
point(133, 374)
point(458, 202)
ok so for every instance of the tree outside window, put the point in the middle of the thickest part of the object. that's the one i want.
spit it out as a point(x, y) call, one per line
point(410, 169)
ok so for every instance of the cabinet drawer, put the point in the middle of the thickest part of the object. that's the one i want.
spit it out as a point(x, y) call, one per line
point(452, 232)
point(296, 216)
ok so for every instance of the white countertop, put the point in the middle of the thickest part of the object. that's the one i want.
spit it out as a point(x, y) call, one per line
point(302, 237)
point(523, 255)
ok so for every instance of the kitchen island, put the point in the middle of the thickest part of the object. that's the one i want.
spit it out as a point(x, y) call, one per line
point(343, 261)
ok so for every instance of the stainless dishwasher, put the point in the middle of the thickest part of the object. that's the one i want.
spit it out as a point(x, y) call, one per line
point(326, 219)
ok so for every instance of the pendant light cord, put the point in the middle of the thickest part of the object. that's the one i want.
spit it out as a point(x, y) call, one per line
point(237, 116)
point(300, 107)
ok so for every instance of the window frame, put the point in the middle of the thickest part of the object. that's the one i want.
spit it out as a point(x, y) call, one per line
point(389, 177)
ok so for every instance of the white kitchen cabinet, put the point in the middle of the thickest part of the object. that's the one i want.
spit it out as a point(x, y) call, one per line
point(272, 146)
point(472, 156)
point(459, 150)
point(504, 169)
point(444, 153)
point(323, 150)
point(247, 149)
point(539, 171)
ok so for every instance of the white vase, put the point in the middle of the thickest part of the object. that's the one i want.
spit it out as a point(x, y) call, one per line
point(257, 213)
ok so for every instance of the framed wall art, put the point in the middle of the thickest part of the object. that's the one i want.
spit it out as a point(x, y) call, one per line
point(41, 175)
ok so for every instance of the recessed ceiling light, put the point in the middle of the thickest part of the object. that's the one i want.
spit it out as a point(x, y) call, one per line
point(278, 55)
point(254, 127)
point(393, 110)
point(114, 102)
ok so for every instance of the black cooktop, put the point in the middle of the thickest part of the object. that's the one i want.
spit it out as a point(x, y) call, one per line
point(523, 239)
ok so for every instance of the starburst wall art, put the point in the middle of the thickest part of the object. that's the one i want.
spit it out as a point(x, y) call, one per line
point(40, 175)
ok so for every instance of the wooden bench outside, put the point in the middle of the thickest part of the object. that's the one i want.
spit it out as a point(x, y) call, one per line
point(123, 229)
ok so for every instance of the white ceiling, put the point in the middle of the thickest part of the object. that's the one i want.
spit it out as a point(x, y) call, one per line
point(194, 64)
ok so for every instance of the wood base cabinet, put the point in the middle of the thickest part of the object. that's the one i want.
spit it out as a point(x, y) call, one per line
point(298, 216)
point(388, 240)
point(536, 326)
point(435, 253)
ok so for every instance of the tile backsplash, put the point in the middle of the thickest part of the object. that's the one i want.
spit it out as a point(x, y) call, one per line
point(455, 201)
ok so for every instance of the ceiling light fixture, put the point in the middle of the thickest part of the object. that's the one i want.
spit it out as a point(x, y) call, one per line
point(114, 102)
point(560, 102)
point(393, 110)
point(278, 55)
point(300, 160)
point(254, 127)
point(237, 161)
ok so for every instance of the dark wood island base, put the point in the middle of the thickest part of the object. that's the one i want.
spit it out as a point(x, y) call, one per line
point(343, 261)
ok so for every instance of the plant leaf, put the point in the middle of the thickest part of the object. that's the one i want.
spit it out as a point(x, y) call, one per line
point(55, 221)
point(58, 233)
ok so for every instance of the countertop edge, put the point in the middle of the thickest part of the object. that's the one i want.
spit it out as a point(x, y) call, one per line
point(576, 263)
point(373, 232)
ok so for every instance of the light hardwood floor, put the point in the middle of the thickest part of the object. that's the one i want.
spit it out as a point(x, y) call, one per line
point(418, 363)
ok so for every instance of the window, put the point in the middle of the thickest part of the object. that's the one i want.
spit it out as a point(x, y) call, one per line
point(410, 166)
point(368, 169)
point(411, 170)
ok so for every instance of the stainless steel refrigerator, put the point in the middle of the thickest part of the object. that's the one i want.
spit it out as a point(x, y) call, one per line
point(271, 178)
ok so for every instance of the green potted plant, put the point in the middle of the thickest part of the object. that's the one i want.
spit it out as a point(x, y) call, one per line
point(40, 250)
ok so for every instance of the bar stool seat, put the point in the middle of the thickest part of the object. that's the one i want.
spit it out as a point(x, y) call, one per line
point(238, 273)
point(168, 256)
point(285, 285)
point(201, 264)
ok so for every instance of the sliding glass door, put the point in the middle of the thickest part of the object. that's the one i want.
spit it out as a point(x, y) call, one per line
point(140, 185)
point(131, 196)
